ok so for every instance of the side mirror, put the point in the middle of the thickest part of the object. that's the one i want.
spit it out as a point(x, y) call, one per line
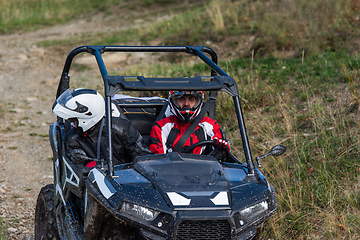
point(275, 151)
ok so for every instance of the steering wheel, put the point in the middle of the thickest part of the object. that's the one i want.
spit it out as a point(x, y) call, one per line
point(213, 153)
point(189, 149)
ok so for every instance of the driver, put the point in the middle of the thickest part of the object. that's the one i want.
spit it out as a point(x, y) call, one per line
point(185, 106)
point(85, 143)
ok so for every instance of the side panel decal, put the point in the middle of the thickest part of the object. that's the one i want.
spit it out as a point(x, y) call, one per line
point(103, 184)
point(71, 177)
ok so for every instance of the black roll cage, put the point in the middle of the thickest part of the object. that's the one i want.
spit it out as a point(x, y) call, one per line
point(218, 81)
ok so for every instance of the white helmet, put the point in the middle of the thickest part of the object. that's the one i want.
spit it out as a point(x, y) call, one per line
point(85, 105)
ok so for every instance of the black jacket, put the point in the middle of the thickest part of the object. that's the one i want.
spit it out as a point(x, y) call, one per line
point(127, 143)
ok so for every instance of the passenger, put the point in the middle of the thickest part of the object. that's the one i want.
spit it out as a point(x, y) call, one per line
point(186, 106)
point(86, 141)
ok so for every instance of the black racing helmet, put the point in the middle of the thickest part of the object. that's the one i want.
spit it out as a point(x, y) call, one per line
point(186, 114)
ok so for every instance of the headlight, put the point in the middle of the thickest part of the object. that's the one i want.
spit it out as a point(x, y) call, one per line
point(139, 211)
point(252, 212)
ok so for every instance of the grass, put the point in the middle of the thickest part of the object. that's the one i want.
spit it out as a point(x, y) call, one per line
point(317, 180)
point(3, 228)
point(269, 28)
point(20, 15)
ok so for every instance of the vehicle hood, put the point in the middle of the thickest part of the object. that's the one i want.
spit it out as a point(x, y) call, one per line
point(188, 181)
point(173, 181)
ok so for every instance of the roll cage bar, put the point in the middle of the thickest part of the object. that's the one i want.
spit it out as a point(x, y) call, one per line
point(218, 81)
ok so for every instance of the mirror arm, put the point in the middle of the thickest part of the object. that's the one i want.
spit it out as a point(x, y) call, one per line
point(258, 162)
point(261, 157)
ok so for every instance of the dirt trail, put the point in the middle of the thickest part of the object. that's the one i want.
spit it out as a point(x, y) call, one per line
point(28, 81)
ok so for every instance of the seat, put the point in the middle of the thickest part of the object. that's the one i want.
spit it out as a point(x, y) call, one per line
point(141, 111)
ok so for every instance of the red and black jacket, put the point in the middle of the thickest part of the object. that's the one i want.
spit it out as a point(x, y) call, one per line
point(166, 133)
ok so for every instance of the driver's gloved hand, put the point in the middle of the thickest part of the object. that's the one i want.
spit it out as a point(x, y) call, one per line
point(222, 144)
point(79, 156)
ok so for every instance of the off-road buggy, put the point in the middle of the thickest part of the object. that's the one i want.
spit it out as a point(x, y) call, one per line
point(164, 196)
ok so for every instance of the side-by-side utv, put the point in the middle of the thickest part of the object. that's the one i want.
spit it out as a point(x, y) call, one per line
point(178, 196)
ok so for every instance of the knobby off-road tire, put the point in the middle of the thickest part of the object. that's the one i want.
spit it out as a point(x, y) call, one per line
point(45, 220)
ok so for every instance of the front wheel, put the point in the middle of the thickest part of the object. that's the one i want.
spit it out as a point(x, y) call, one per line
point(45, 219)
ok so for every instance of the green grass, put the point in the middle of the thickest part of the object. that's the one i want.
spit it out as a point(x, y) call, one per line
point(291, 29)
point(22, 14)
point(25, 15)
point(3, 228)
point(314, 182)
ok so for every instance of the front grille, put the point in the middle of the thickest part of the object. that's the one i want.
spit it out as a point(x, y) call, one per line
point(200, 230)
